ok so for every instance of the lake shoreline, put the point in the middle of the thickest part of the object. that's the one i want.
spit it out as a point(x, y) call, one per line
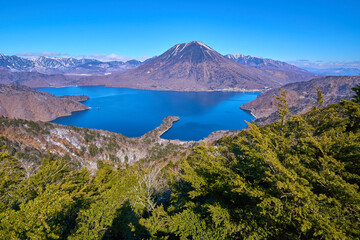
point(241, 90)
point(135, 112)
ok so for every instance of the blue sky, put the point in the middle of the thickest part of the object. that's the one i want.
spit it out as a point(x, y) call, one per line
point(318, 30)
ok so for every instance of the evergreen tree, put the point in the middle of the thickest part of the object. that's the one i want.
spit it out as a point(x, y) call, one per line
point(320, 97)
point(11, 175)
point(356, 97)
point(296, 182)
point(297, 178)
point(282, 108)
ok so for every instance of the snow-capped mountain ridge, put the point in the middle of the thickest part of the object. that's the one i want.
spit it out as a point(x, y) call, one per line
point(194, 66)
point(64, 65)
point(195, 52)
point(265, 63)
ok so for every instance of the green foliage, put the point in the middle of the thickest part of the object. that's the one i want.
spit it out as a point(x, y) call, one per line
point(11, 174)
point(320, 97)
point(33, 127)
point(93, 150)
point(60, 202)
point(356, 97)
point(158, 151)
point(282, 108)
point(30, 126)
point(293, 180)
point(89, 136)
point(113, 145)
point(297, 178)
point(40, 218)
point(44, 204)
point(118, 195)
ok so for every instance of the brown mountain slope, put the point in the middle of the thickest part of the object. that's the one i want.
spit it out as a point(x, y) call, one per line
point(195, 66)
point(35, 79)
point(301, 96)
point(18, 101)
point(266, 63)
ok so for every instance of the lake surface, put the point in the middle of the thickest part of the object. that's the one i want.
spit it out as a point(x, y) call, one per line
point(134, 112)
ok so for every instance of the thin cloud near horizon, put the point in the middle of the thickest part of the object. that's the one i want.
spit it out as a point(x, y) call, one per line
point(304, 63)
point(40, 54)
point(101, 57)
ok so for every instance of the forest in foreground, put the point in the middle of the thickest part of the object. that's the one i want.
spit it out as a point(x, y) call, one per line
point(297, 178)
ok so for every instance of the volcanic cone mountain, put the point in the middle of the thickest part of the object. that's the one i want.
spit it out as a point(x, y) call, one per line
point(194, 66)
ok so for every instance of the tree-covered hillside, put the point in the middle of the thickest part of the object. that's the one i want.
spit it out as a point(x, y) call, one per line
point(297, 178)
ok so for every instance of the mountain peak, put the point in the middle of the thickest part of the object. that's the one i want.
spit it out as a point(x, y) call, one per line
point(200, 43)
point(194, 52)
point(235, 56)
point(195, 66)
point(194, 43)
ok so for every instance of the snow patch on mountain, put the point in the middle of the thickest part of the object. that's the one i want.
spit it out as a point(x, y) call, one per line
point(64, 65)
point(265, 63)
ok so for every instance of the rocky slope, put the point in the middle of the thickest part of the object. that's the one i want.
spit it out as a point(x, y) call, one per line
point(17, 101)
point(86, 147)
point(266, 63)
point(35, 79)
point(76, 98)
point(194, 66)
point(64, 65)
point(301, 96)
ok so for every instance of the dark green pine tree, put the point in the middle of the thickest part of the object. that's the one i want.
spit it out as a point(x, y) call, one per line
point(356, 97)
point(320, 97)
point(283, 110)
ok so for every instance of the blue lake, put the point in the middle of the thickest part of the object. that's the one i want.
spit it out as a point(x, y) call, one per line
point(134, 112)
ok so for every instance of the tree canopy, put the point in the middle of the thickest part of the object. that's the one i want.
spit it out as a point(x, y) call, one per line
point(297, 178)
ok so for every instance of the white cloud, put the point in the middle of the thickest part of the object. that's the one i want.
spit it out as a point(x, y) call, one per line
point(101, 57)
point(105, 57)
point(39, 54)
point(141, 59)
point(303, 63)
point(112, 57)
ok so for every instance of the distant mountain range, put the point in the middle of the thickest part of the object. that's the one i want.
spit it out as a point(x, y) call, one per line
point(266, 63)
point(70, 65)
point(35, 79)
point(191, 66)
point(335, 71)
point(52, 65)
point(301, 96)
point(195, 66)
